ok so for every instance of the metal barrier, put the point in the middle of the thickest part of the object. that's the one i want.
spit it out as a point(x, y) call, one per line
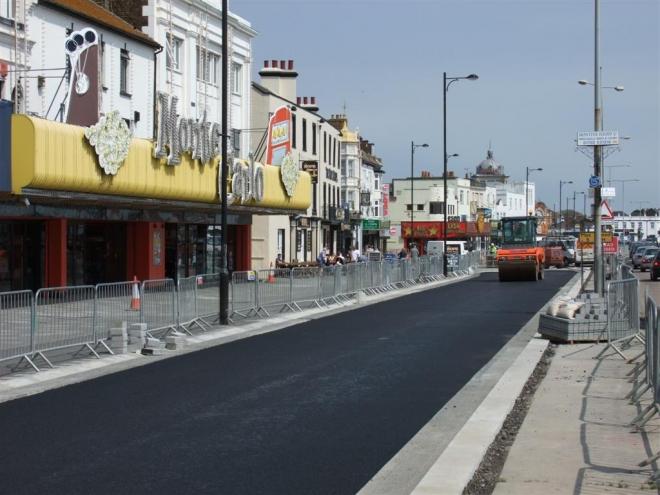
point(17, 326)
point(158, 308)
point(65, 317)
point(62, 317)
point(244, 293)
point(273, 288)
point(208, 297)
point(116, 303)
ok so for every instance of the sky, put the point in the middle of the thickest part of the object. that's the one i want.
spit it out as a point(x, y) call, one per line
point(383, 61)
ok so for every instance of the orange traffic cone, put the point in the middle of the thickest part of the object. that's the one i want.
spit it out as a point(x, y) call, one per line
point(271, 276)
point(135, 300)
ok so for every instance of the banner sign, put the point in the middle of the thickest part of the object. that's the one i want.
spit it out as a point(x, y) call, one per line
point(279, 136)
point(312, 167)
point(386, 200)
point(370, 224)
point(598, 138)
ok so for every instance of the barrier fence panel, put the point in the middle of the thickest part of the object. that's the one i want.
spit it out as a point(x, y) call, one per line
point(274, 289)
point(158, 305)
point(328, 283)
point(116, 303)
point(208, 296)
point(244, 293)
point(305, 286)
point(64, 317)
point(16, 325)
point(186, 303)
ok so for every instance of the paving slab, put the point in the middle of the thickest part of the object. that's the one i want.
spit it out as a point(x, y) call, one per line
point(575, 438)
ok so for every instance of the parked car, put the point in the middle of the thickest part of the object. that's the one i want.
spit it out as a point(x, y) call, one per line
point(655, 268)
point(637, 255)
point(636, 245)
point(648, 258)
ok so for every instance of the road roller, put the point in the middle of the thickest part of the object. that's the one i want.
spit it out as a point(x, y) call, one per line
point(519, 258)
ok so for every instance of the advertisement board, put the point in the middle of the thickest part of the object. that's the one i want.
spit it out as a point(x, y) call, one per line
point(386, 200)
point(278, 144)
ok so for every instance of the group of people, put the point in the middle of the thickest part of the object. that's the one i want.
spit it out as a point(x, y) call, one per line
point(353, 255)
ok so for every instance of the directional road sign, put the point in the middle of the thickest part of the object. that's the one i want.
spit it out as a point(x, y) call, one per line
point(598, 138)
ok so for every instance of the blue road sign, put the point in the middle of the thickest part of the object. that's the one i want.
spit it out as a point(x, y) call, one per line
point(594, 181)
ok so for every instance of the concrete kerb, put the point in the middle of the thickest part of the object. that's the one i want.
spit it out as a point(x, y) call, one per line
point(17, 386)
point(466, 424)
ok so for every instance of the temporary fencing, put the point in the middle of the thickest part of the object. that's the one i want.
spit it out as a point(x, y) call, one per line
point(646, 375)
point(54, 318)
point(622, 307)
point(64, 317)
point(17, 325)
point(116, 303)
point(159, 306)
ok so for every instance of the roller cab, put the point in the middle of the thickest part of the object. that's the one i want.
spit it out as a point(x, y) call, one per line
point(519, 258)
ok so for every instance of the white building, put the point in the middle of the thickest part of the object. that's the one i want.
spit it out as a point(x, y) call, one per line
point(636, 227)
point(314, 143)
point(511, 197)
point(125, 60)
point(190, 32)
point(371, 189)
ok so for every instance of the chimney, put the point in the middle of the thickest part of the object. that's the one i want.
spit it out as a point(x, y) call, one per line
point(279, 77)
point(309, 103)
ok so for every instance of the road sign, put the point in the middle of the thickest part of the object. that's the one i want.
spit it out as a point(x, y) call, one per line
point(594, 181)
point(608, 192)
point(598, 138)
point(606, 211)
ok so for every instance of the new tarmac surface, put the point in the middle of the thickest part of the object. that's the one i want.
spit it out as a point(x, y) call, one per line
point(317, 408)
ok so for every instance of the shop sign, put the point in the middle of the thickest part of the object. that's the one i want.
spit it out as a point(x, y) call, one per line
point(312, 168)
point(395, 231)
point(247, 182)
point(386, 200)
point(279, 140)
point(201, 139)
point(304, 222)
point(370, 224)
point(365, 198)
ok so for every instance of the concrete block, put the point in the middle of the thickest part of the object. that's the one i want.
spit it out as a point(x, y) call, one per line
point(155, 343)
point(118, 332)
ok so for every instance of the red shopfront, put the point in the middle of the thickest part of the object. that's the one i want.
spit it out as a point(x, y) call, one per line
point(422, 232)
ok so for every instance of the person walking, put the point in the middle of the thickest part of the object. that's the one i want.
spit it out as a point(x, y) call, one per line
point(414, 252)
point(355, 254)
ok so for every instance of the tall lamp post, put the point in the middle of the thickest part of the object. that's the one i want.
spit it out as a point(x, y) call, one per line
point(224, 165)
point(413, 147)
point(527, 171)
point(623, 193)
point(446, 82)
point(561, 183)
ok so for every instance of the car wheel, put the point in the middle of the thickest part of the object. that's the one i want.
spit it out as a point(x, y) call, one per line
point(654, 277)
point(642, 269)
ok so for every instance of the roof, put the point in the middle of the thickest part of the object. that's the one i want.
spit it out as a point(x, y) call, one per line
point(93, 12)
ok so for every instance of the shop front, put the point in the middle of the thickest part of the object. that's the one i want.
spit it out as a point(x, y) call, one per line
point(474, 234)
point(64, 220)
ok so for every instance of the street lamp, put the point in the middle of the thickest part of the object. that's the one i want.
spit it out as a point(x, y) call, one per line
point(561, 184)
point(527, 171)
point(584, 82)
point(446, 82)
point(413, 146)
point(623, 192)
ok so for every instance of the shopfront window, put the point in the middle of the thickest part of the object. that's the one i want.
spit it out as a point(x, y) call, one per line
point(96, 253)
point(22, 248)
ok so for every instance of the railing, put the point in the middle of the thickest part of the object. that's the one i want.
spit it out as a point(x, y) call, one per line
point(55, 318)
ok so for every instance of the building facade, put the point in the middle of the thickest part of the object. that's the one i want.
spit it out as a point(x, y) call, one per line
point(313, 145)
point(86, 199)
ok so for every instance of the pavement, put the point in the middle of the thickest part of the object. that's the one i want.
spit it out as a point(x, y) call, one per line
point(575, 438)
point(317, 407)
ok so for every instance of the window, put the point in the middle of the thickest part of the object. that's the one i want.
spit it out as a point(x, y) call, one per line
point(124, 68)
point(325, 146)
point(436, 208)
point(376, 184)
point(408, 207)
point(652, 225)
point(236, 78)
point(461, 195)
point(173, 52)
point(7, 9)
point(420, 207)
point(207, 67)
point(304, 131)
point(294, 131)
point(376, 211)
point(281, 244)
point(313, 139)
point(236, 141)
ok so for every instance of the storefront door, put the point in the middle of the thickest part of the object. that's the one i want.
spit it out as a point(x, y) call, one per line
point(22, 250)
point(96, 252)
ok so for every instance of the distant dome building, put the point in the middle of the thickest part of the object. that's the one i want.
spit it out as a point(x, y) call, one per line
point(490, 169)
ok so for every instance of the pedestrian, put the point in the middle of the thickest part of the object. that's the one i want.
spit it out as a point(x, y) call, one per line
point(355, 254)
point(321, 258)
point(402, 254)
point(340, 260)
point(414, 252)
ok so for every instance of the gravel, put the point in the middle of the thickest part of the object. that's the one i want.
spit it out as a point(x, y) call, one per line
point(488, 474)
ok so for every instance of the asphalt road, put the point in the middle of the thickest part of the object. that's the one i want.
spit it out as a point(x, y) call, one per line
point(317, 408)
